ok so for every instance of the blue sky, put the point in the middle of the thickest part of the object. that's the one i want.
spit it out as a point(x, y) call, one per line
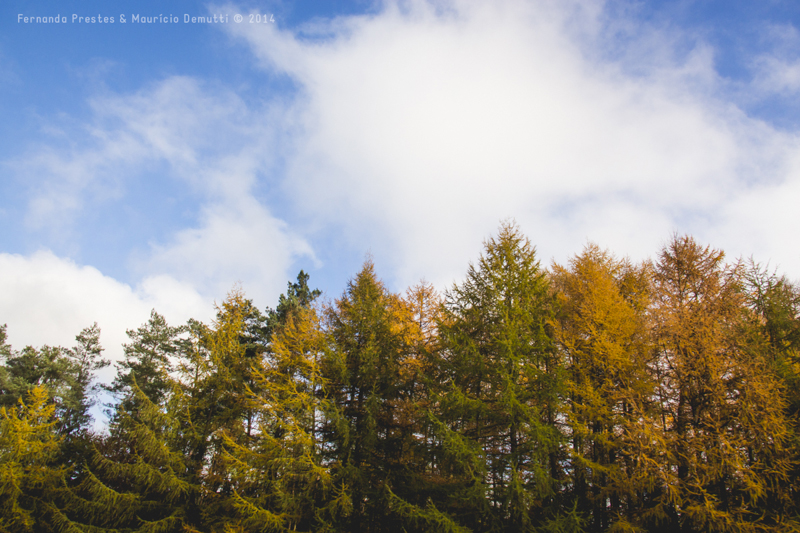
point(156, 165)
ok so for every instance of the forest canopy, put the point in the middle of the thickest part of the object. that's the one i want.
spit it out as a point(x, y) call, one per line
point(596, 395)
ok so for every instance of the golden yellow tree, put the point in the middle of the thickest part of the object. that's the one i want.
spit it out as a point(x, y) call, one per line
point(721, 406)
point(280, 483)
point(601, 329)
point(30, 478)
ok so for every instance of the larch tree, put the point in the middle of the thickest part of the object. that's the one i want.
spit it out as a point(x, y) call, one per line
point(30, 476)
point(721, 405)
point(617, 450)
point(279, 481)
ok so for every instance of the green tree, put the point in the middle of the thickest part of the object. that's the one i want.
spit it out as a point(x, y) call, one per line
point(298, 296)
point(369, 437)
point(68, 375)
point(149, 359)
point(775, 303)
point(504, 388)
point(137, 478)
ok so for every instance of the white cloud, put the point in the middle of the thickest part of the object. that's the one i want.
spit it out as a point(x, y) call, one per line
point(48, 300)
point(207, 139)
point(422, 126)
point(778, 75)
point(238, 241)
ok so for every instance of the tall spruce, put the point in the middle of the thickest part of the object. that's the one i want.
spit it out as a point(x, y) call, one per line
point(504, 389)
point(369, 438)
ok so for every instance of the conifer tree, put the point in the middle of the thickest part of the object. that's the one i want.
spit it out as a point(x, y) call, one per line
point(67, 374)
point(420, 377)
point(135, 477)
point(88, 358)
point(49, 367)
point(280, 483)
point(298, 296)
point(369, 436)
point(504, 387)
point(138, 478)
point(149, 359)
point(721, 406)
point(211, 403)
point(30, 477)
point(775, 334)
point(602, 332)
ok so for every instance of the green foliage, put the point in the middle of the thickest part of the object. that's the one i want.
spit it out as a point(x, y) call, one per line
point(66, 373)
point(298, 296)
point(599, 396)
point(149, 359)
point(138, 478)
point(504, 383)
point(371, 334)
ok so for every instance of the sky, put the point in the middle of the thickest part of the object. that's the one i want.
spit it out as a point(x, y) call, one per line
point(160, 161)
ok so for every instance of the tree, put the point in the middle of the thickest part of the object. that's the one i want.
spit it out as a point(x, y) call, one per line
point(504, 386)
point(603, 335)
point(775, 334)
point(369, 438)
point(149, 359)
point(137, 478)
point(298, 296)
point(721, 406)
point(68, 375)
point(280, 482)
point(30, 477)
point(88, 358)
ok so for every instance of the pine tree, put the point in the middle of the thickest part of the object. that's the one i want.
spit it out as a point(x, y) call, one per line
point(298, 296)
point(212, 405)
point(149, 359)
point(88, 358)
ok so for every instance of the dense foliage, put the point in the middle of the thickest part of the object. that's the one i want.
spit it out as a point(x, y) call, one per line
point(594, 396)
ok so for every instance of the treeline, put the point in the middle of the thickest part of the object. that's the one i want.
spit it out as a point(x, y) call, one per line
point(599, 395)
